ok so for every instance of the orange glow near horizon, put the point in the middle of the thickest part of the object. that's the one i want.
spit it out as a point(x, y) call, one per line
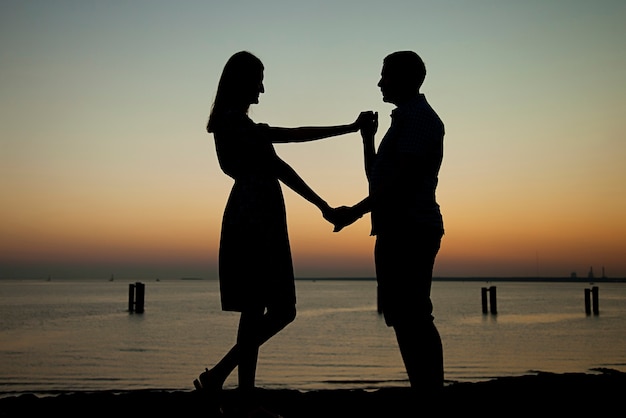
point(505, 241)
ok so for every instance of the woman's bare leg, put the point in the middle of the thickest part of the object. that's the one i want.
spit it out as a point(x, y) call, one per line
point(255, 328)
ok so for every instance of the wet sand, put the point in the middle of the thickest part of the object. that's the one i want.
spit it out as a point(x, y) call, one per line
point(541, 394)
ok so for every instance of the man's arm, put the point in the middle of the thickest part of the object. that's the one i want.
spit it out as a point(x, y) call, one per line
point(368, 131)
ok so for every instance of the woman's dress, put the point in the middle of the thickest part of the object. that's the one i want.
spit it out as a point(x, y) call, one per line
point(255, 264)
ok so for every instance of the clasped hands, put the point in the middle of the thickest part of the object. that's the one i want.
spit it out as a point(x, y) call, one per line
point(367, 123)
point(342, 216)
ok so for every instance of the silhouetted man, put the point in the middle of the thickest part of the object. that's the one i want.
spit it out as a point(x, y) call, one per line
point(405, 215)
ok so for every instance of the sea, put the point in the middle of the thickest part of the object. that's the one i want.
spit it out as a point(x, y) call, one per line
point(86, 335)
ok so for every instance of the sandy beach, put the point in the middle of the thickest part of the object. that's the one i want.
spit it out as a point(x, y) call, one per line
point(600, 394)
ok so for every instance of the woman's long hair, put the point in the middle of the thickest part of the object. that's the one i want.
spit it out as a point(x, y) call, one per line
point(241, 75)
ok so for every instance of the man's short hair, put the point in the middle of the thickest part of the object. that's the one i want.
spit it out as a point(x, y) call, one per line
point(406, 66)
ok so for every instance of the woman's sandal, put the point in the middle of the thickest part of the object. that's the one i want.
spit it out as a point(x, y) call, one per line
point(206, 382)
point(210, 390)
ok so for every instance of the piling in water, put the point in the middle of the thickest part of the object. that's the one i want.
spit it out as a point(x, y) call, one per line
point(492, 300)
point(592, 301)
point(136, 297)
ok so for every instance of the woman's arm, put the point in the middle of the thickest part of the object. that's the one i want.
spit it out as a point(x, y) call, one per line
point(309, 133)
point(312, 133)
point(291, 179)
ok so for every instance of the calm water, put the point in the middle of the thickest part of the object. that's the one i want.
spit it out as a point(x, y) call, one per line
point(79, 335)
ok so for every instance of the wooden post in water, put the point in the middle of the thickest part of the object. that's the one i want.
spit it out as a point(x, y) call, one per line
point(483, 294)
point(592, 301)
point(595, 300)
point(136, 297)
point(131, 297)
point(492, 300)
point(139, 297)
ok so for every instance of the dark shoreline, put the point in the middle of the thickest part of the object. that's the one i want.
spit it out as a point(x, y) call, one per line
point(600, 394)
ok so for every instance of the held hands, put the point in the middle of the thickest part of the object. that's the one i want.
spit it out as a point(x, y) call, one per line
point(341, 217)
point(367, 123)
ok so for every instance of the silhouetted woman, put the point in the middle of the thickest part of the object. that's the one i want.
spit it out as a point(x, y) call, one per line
point(255, 266)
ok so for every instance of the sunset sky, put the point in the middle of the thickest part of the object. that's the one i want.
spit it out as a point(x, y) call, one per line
point(106, 167)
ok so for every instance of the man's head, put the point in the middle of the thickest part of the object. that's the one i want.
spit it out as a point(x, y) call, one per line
point(402, 76)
